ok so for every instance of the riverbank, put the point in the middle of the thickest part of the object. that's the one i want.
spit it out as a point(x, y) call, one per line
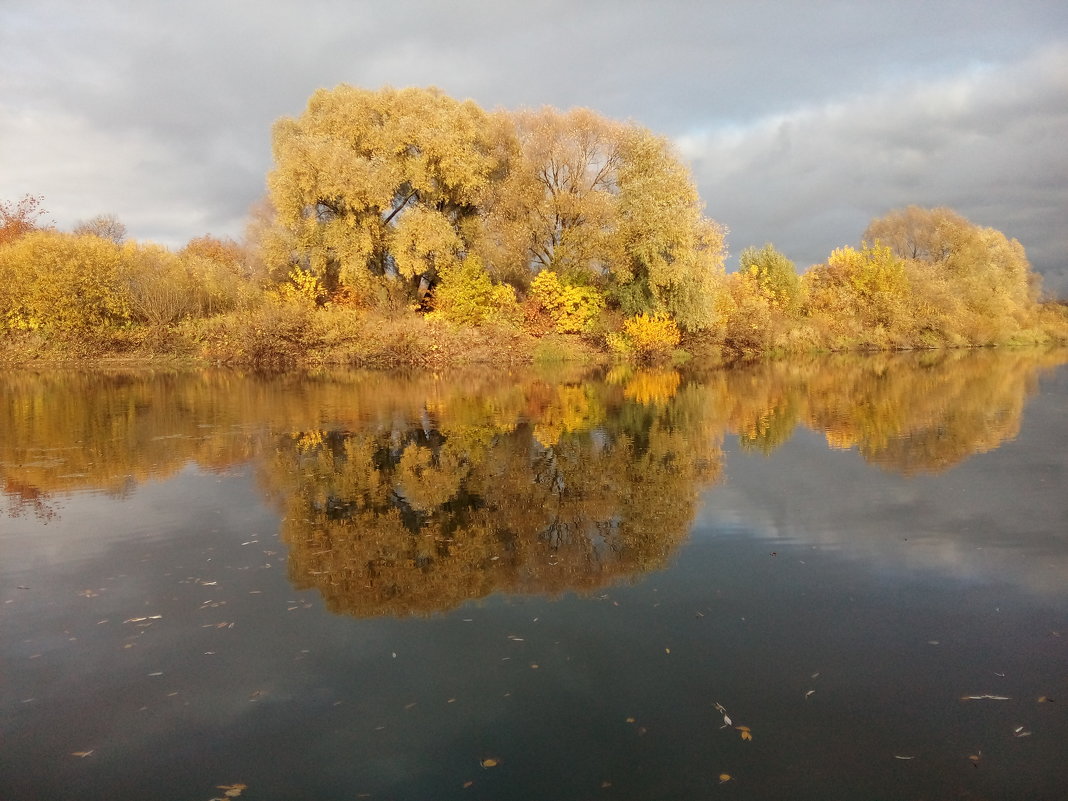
point(285, 336)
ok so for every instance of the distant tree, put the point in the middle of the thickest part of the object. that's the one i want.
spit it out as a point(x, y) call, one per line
point(223, 252)
point(771, 275)
point(915, 232)
point(17, 219)
point(970, 282)
point(105, 226)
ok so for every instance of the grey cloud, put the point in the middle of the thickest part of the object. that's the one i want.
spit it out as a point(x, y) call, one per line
point(987, 142)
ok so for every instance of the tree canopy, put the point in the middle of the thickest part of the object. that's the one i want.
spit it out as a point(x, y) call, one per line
point(389, 185)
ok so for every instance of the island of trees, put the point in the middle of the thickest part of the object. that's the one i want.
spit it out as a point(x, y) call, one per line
point(402, 226)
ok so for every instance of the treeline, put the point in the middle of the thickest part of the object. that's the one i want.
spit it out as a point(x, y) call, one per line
point(403, 226)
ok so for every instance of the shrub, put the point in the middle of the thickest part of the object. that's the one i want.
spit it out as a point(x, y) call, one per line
point(62, 283)
point(468, 296)
point(573, 309)
point(646, 338)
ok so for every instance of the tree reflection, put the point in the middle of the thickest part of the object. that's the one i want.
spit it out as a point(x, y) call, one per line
point(564, 487)
point(410, 494)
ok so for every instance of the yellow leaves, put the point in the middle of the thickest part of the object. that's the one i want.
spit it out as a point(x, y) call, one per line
point(646, 338)
point(65, 283)
point(573, 309)
point(83, 754)
point(468, 296)
point(490, 762)
point(745, 733)
point(302, 287)
point(230, 791)
point(724, 778)
point(425, 239)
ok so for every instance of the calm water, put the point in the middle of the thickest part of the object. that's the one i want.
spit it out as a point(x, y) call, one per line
point(538, 586)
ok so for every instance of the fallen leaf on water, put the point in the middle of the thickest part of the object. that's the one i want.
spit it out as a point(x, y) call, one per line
point(489, 762)
point(985, 698)
point(809, 693)
point(630, 720)
point(82, 754)
point(232, 790)
point(901, 756)
point(744, 730)
point(724, 778)
point(1045, 699)
point(468, 784)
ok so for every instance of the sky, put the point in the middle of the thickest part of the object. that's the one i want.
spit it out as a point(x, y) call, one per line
point(800, 121)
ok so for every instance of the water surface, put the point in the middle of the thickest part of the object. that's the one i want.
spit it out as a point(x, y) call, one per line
point(528, 586)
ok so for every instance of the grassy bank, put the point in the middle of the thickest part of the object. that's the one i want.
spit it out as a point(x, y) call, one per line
point(289, 335)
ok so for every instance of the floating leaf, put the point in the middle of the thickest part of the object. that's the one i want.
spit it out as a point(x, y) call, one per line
point(985, 698)
point(489, 762)
point(724, 778)
point(82, 754)
point(901, 756)
point(744, 731)
point(232, 790)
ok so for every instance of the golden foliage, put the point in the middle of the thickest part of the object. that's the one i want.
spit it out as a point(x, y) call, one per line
point(468, 296)
point(646, 338)
point(366, 183)
point(63, 283)
point(572, 309)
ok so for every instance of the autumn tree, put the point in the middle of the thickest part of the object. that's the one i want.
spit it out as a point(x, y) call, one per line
point(383, 184)
point(371, 186)
point(17, 219)
point(605, 204)
point(771, 275)
point(105, 226)
point(972, 284)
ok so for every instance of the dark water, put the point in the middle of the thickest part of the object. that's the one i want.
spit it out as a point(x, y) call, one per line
point(539, 586)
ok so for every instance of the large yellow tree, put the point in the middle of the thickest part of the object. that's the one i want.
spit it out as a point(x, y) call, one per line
point(380, 184)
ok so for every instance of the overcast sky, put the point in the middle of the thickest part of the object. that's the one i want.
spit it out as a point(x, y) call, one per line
point(801, 121)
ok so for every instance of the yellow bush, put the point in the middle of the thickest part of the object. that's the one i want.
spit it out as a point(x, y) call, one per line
point(646, 338)
point(468, 296)
point(60, 282)
point(572, 309)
